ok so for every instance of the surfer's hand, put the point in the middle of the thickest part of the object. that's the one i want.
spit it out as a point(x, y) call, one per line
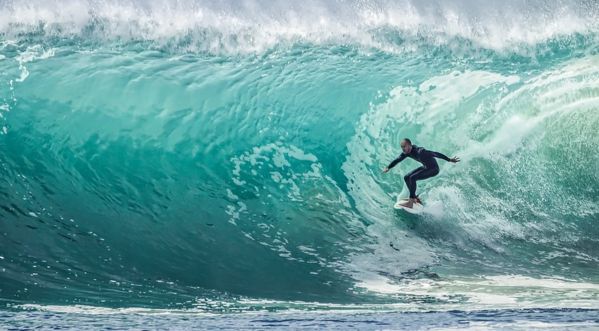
point(454, 159)
point(385, 170)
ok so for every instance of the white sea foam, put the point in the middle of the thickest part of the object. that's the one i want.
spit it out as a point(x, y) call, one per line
point(257, 25)
point(492, 292)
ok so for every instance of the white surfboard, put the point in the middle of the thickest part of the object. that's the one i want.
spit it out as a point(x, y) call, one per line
point(417, 208)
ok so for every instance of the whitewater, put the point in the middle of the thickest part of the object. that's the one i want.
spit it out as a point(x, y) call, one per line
point(218, 164)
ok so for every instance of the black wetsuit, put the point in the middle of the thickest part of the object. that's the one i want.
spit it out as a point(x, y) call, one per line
point(429, 169)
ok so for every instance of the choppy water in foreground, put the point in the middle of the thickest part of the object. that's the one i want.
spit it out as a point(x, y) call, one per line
point(135, 319)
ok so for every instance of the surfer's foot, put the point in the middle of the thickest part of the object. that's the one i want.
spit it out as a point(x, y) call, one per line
point(408, 204)
point(414, 200)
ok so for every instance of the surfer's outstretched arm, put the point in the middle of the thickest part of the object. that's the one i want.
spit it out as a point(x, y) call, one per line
point(395, 162)
point(444, 157)
point(440, 155)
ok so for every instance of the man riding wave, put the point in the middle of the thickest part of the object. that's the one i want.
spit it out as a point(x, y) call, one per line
point(429, 168)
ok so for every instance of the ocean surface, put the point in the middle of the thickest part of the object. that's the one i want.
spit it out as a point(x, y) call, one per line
point(217, 164)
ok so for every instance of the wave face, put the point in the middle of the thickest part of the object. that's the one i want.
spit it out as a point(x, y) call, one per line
point(220, 154)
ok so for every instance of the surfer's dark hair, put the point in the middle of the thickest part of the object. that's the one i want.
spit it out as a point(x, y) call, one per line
point(408, 141)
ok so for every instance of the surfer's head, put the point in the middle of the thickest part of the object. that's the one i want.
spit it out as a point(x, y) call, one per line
point(406, 145)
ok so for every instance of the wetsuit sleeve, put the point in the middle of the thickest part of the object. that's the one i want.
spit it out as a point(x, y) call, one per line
point(396, 161)
point(440, 155)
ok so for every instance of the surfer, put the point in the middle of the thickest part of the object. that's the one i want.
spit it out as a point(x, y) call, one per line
point(429, 169)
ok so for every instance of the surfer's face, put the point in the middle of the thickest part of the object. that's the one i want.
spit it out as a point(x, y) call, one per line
point(406, 147)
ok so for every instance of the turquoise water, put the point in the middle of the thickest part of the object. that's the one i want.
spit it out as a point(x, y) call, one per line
point(225, 157)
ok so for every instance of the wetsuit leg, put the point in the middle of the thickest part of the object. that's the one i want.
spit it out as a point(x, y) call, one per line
point(418, 174)
point(408, 179)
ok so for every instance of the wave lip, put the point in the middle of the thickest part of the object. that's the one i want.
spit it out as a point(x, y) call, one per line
point(254, 26)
